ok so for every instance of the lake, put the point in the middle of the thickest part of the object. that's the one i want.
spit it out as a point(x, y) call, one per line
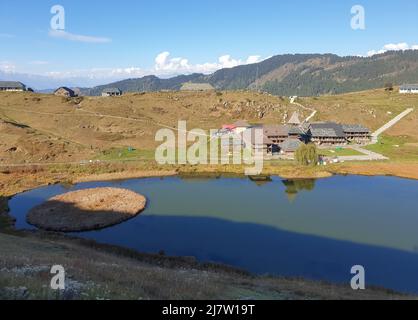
point(316, 229)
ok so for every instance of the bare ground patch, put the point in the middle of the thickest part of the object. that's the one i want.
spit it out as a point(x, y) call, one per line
point(86, 210)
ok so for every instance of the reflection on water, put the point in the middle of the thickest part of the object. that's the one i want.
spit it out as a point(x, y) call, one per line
point(260, 180)
point(293, 187)
point(328, 226)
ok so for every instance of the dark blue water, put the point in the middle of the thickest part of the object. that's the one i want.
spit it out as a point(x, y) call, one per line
point(313, 229)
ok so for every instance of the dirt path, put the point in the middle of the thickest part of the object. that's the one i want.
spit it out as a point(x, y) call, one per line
point(391, 123)
point(314, 112)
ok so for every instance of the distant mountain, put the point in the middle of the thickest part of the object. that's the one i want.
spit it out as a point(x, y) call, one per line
point(295, 74)
point(146, 84)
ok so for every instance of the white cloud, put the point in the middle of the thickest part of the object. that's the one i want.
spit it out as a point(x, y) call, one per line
point(253, 59)
point(77, 37)
point(7, 67)
point(164, 65)
point(402, 46)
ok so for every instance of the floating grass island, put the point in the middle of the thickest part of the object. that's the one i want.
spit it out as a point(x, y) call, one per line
point(86, 210)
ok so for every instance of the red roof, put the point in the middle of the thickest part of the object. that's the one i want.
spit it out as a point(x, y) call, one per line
point(229, 127)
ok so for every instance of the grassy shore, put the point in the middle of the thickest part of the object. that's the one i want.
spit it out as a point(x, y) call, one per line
point(95, 271)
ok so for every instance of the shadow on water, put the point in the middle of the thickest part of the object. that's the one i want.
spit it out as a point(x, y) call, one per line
point(265, 250)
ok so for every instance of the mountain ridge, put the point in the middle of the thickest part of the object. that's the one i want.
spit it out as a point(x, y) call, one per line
point(282, 75)
point(294, 74)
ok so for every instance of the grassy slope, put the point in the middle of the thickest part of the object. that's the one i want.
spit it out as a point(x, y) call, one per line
point(335, 152)
point(397, 148)
point(374, 108)
point(105, 272)
point(79, 126)
point(371, 108)
point(60, 130)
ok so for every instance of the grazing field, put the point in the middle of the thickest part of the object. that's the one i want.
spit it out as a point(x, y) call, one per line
point(42, 129)
point(397, 148)
point(45, 128)
point(371, 108)
point(338, 152)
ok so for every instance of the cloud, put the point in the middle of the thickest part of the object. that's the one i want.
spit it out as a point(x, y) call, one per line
point(77, 37)
point(7, 67)
point(164, 65)
point(253, 59)
point(402, 46)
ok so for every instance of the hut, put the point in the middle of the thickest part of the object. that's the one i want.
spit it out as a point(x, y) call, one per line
point(65, 92)
point(409, 88)
point(189, 86)
point(289, 146)
point(111, 92)
point(12, 86)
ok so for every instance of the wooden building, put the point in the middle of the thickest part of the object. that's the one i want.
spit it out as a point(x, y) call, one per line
point(190, 86)
point(357, 133)
point(12, 86)
point(409, 89)
point(111, 92)
point(65, 92)
point(327, 133)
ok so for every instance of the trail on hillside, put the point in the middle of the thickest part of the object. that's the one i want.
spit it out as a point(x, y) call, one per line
point(314, 112)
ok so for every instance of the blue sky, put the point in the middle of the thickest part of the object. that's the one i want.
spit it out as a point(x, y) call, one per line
point(132, 33)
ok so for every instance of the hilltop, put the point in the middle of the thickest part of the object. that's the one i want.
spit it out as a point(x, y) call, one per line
point(294, 74)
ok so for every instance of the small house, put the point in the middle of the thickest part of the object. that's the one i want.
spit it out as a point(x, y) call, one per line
point(409, 89)
point(111, 92)
point(13, 86)
point(189, 86)
point(65, 92)
point(289, 146)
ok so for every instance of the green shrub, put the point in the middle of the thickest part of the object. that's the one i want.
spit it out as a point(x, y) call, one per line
point(307, 155)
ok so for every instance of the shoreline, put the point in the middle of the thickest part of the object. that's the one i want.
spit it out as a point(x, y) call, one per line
point(285, 172)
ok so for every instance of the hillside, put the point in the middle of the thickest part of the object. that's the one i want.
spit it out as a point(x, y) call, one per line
point(298, 74)
point(46, 128)
point(26, 261)
point(38, 127)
